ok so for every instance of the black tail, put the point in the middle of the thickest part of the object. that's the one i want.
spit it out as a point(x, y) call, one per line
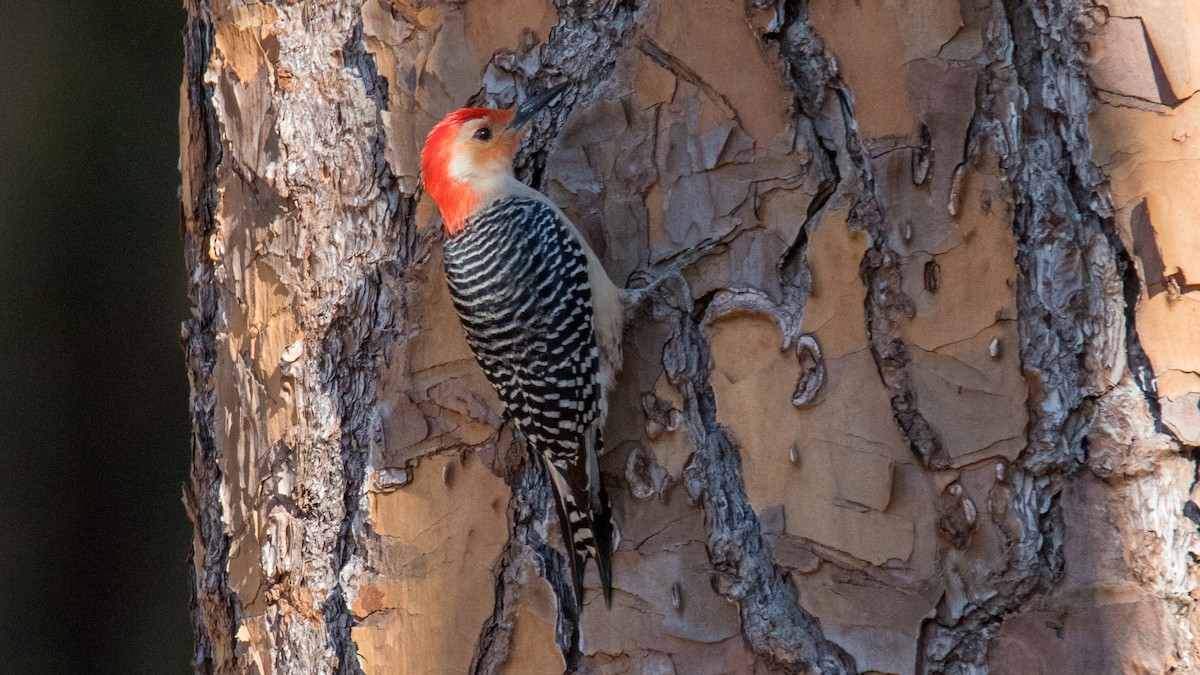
point(584, 515)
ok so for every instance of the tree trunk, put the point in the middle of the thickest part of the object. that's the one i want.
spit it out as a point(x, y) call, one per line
point(934, 408)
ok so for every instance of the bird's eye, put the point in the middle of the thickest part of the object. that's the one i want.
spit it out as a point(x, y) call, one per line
point(483, 134)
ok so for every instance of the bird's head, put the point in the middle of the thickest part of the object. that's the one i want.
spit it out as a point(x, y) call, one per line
point(469, 155)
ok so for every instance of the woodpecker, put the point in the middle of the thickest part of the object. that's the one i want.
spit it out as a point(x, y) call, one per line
point(541, 315)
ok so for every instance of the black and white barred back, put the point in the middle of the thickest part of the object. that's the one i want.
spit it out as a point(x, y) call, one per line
point(519, 280)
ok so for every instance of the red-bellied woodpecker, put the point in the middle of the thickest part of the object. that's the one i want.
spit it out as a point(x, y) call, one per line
point(541, 315)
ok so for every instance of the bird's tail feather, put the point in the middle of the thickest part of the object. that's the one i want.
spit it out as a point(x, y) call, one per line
point(602, 520)
point(584, 516)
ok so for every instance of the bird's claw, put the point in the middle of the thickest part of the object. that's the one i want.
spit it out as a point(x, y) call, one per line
point(688, 257)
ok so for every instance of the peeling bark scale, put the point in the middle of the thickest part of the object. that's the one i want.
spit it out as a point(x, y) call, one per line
point(934, 408)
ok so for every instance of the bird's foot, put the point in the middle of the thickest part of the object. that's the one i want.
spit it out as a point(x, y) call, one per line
point(673, 270)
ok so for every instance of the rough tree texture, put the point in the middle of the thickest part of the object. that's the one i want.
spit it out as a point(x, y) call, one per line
point(934, 408)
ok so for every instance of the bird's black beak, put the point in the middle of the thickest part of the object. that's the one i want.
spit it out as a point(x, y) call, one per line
point(534, 105)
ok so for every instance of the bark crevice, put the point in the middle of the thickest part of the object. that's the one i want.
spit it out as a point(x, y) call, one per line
point(774, 623)
point(1032, 113)
point(529, 514)
point(353, 352)
point(828, 102)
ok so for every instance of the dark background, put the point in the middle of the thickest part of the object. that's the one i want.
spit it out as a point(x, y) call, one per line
point(94, 438)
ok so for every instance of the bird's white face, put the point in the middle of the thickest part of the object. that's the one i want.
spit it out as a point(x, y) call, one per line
point(483, 154)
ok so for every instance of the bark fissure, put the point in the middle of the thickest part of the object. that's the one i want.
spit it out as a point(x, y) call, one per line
point(1042, 143)
point(528, 509)
point(354, 350)
point(773, 621)
point(815, 80)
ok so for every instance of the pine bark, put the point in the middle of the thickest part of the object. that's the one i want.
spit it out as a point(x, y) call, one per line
point(929, 406)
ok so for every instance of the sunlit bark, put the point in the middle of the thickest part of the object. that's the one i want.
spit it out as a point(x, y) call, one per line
point(933, 409)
